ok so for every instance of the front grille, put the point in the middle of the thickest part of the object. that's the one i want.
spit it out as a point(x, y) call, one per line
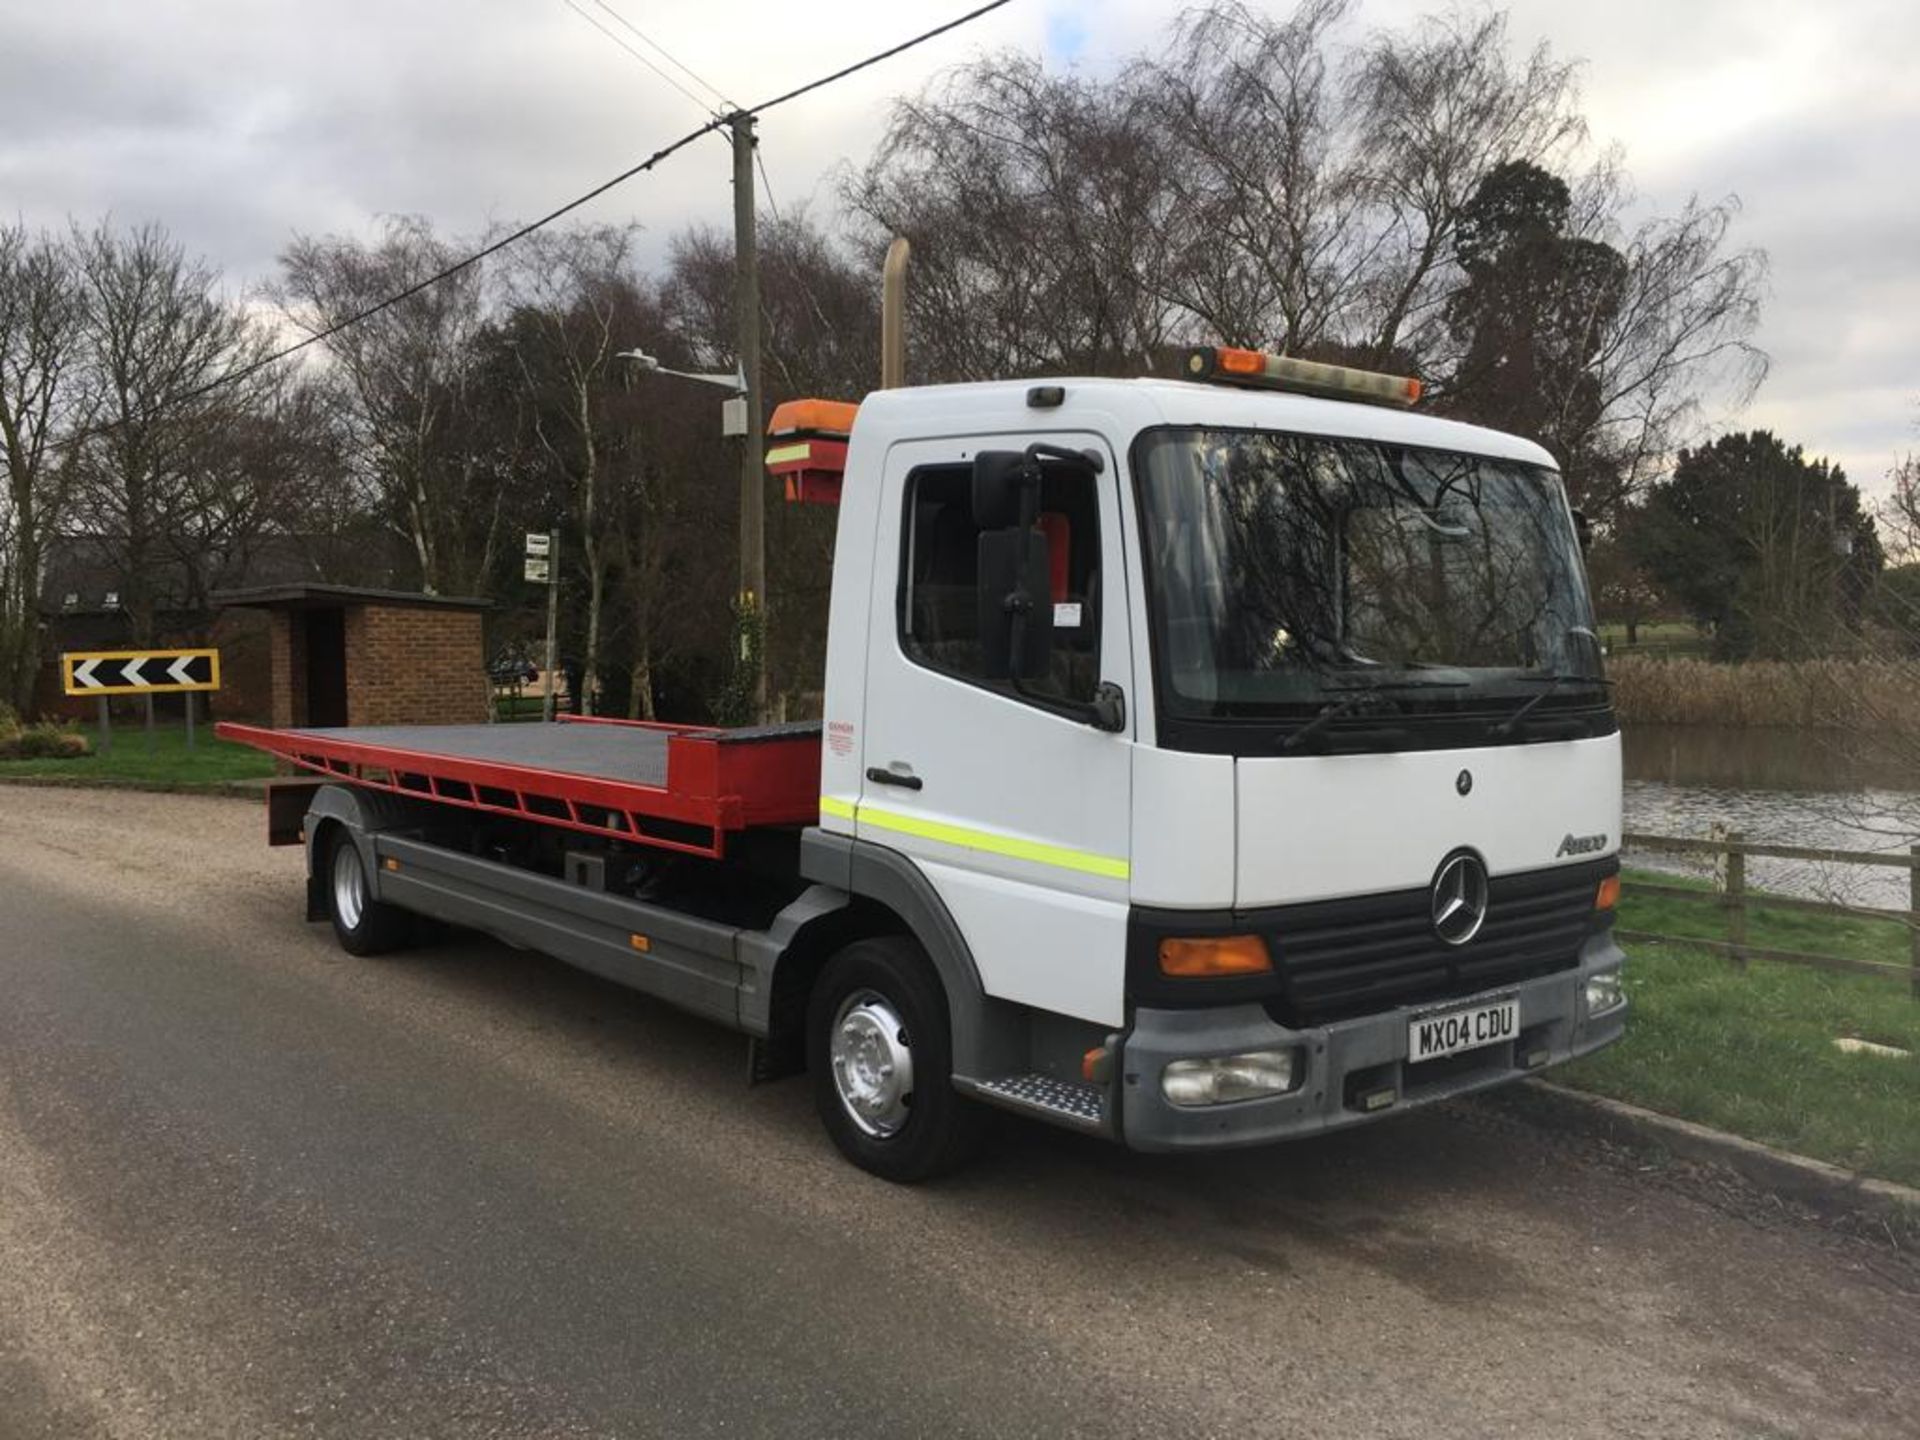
point(1340, 958)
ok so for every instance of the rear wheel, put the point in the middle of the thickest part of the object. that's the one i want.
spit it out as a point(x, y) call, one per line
point(880, 1053)
point(364, 925)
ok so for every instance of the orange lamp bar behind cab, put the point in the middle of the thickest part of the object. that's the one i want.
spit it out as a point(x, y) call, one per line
point(807, 448)
point(1215, 955)
point(1223, 364)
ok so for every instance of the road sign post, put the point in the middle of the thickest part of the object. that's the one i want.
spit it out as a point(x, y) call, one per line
point(104, 673)
point(543, 568)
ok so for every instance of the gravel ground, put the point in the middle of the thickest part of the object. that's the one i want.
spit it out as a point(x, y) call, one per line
point(252, 1187)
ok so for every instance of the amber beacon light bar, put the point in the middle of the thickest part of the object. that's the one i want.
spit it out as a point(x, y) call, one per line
point(1225, 365)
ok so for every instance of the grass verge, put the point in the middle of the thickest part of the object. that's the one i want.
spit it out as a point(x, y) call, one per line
point(1659, 638)
point(519, 707)
point(166, 761)
point(1751, 1051)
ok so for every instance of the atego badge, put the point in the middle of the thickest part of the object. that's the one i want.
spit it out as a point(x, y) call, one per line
point(139, 672)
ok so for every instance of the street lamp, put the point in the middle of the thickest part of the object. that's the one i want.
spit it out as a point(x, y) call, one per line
point(736, 419)
point(733, 415)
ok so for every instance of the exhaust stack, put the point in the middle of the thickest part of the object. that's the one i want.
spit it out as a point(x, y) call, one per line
point(893, 315)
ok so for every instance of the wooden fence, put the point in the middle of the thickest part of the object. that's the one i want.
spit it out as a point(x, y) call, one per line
point(1736, 900)
point(1699, 649)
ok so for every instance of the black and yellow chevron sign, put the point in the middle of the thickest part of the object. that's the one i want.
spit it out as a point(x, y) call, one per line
point(139, 672)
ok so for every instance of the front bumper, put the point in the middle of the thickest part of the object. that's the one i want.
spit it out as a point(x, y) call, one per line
point(1342, 1059)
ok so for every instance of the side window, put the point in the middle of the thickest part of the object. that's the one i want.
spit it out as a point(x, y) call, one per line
point(939, 605)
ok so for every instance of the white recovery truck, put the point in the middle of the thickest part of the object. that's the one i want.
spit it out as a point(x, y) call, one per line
point(1203, 763)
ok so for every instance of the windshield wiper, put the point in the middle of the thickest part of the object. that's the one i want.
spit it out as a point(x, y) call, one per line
point(1500, 729)
point(1360, 697)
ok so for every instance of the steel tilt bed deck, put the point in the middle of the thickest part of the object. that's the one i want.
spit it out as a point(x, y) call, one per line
point(677, 787)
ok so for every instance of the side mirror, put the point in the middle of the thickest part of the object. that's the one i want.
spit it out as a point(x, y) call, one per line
point(1016, 623)
point(1002, 479)
point(1583, 529)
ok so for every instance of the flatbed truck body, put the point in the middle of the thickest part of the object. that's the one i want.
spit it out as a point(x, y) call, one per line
point(1303, 809)
point(675, 787)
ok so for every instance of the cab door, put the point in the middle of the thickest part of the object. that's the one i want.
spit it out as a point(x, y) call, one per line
point(1013, 805)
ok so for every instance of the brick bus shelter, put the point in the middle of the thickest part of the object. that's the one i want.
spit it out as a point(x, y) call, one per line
point(341, 655)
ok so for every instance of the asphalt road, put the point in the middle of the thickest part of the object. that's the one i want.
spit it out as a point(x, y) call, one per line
point(250, 1186)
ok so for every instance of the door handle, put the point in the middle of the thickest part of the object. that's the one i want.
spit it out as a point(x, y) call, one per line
point(893, 777)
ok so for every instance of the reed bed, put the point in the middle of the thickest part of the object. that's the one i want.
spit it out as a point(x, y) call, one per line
point(1863, 696)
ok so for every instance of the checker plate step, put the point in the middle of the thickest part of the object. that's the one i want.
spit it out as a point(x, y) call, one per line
point(1073, 1101)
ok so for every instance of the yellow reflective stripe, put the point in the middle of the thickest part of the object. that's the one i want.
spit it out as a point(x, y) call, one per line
point(967, 838)
point(781, 453)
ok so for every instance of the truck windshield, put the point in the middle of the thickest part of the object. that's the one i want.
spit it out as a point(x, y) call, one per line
point(1287, 571)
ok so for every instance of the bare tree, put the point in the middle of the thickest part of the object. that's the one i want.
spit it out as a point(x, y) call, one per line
point(574, 302)
point(43, 404)
point(820, 336)
point(1682, 329)
point(1899, 513)
point(1267, 200)
point(167, 353)
point(819, 308)
point(675, 513)
point(1439, 108)
point(276, 471)
point(411, 371)
point(321, 500)
point(1036, 205)
point(1263, 183)
point(1274, 182)
point(1596, 342)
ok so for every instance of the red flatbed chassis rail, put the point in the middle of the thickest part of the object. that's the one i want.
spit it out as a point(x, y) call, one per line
point(681, 788)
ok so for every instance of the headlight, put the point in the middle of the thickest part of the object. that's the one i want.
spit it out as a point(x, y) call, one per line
point(1230, 1077)
point(1604, 992)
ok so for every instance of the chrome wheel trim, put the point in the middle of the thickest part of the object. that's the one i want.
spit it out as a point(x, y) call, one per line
point(349, 886)
point(872, 1064)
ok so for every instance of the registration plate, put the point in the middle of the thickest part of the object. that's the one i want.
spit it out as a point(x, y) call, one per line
point(1450, 1031)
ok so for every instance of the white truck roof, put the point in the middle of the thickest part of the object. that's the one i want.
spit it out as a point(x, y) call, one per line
point(1125, 407)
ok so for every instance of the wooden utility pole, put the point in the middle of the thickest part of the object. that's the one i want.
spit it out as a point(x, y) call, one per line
point(753, 491)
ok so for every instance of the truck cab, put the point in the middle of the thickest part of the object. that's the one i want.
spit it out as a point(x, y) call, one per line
point(1303, 806)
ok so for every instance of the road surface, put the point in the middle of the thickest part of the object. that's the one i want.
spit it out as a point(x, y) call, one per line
point(250, 1186)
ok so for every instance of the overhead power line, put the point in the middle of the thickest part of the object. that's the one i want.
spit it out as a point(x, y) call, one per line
point(583, 13)
point(859, 65)
point(724, 104)
point(671, 148)
point(666, 55)
point(766, 182)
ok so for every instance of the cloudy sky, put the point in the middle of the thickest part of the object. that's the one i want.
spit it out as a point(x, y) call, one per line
point(240, 122)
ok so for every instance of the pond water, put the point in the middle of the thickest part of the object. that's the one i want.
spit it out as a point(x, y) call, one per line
point(1790, 787)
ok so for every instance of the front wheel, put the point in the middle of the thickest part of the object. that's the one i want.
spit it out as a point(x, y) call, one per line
point(363, 924)
point(880, 1054)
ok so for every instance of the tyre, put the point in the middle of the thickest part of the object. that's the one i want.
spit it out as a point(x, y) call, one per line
point(880, 1054)
point(363, 924)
